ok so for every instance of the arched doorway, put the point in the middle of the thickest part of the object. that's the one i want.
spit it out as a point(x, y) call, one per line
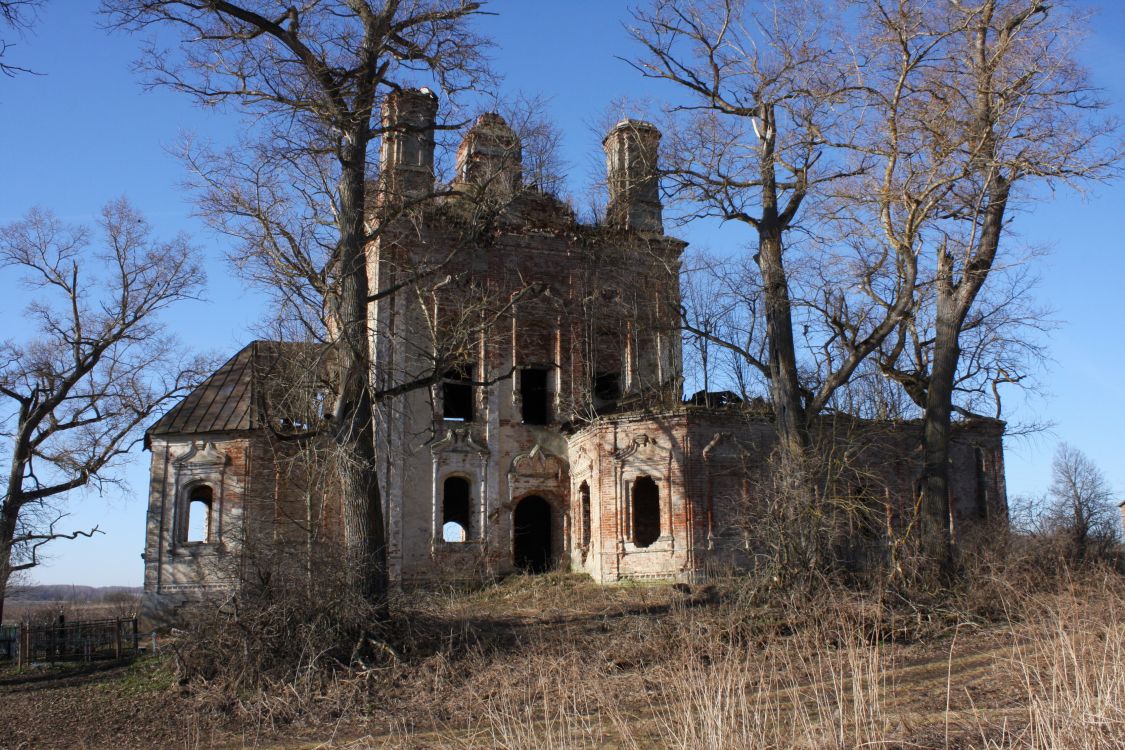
point(531, 538)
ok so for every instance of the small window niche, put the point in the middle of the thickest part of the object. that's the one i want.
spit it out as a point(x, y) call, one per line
point(457, 394)
point(535, 397)
point(200, 506)
point(646, 512)
point(980, 496)
point(455, 510)
point(607, 388)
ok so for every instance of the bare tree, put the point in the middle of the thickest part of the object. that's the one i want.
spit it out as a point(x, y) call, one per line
point(1000, 105)
point(1080, 505)
point(77, 393)
point(764, 135)
point(771, 132)
point(17, 15)
point(312, 80)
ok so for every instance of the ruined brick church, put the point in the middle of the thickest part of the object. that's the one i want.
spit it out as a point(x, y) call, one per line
point(559, 438)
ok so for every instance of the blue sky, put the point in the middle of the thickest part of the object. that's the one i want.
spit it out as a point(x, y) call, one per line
point(86, 131)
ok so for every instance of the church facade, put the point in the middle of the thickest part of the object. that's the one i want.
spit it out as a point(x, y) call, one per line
point(554, 435)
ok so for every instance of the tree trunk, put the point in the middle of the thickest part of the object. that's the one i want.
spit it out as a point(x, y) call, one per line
point(11, 506)
point(937, 422)
point(364, 534)
point(9, 513)
point(5, 567)
point(953, 305)
point(784, 385)
point(802, 546)
point(785, 389)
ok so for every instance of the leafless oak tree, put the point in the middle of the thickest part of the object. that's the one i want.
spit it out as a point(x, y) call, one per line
point(773, 128)
point(312, 79)
point(879, 164)
point(77, 393)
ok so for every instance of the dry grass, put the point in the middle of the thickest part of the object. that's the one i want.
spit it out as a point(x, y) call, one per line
point(557, 663)
point(1051, 675)
point(1070, 661)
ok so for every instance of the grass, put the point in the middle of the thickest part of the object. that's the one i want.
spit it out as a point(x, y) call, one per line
point(147, 674)
point(557, 663)
point(1050, 675)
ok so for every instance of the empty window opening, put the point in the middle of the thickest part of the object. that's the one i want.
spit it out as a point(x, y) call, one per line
point(199, 515)
point(455, 509)
point(646, 512)
point(981, 495)
point(457, 394)
point(531, 535)
point(584, 500)
point(535, 396)
point(607, 386)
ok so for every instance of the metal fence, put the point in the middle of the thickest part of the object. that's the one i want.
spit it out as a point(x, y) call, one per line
point(81, 640)
point(9, 642)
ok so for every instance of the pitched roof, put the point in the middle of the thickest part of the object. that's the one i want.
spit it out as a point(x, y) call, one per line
point(228, 400)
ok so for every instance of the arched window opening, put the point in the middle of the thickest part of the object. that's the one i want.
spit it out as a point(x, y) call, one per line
point(455, 513)
point(584, 500)
point(646, 512)
point(199, 514)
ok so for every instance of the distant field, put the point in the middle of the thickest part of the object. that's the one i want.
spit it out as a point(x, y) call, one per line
point(46, 603)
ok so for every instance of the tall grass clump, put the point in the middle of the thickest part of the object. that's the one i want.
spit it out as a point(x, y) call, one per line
point(1070, 657)
point(813, 682)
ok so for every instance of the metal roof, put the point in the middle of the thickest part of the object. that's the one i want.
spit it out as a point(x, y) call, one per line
point(228, 400)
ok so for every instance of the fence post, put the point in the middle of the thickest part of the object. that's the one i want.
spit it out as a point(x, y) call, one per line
point(135, 644)
point(117, 638)
point(25, 645)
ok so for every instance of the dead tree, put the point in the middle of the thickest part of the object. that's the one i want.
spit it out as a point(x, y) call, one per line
point(78, 392)
point(313, 80)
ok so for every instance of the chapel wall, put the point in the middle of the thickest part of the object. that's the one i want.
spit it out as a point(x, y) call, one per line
point(179, 570)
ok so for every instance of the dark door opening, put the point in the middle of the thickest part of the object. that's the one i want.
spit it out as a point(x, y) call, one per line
point(607, 387)
point(531, 543)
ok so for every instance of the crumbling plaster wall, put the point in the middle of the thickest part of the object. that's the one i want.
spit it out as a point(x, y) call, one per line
point(264, 519)
point(179, 572)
